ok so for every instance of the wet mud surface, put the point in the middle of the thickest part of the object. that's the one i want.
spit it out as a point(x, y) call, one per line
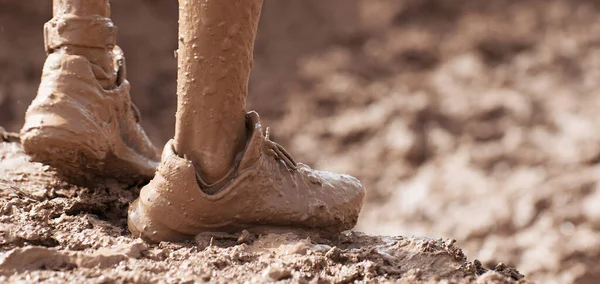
point(472, 120)
point(53, 231)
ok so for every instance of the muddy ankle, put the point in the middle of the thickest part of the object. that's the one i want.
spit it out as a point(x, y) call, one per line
point(90, 36)
point(99, 8)
point(213, 163)
point(212, 184)
point(83, 27)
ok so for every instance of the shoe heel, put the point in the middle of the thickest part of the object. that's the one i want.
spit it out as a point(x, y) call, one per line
point(142, 225)
point(72, 155)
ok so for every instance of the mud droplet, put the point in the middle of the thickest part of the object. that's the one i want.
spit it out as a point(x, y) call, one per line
point(210, 90)
point(233, 29)
point(226, 44)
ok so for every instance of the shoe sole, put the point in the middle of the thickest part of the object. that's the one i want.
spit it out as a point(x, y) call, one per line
point(141, 225)
point(76, 161)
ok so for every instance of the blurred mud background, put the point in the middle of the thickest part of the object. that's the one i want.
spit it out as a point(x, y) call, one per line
point(465, 119)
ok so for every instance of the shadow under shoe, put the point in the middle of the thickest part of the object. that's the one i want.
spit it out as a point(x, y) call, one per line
point(266, 191)
point(84, 130)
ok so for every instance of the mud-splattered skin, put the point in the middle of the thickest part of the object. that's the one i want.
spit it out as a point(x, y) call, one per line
point(216, 42)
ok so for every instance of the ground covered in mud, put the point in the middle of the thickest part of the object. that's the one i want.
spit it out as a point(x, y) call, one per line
point(54, 231)
point(471, 120)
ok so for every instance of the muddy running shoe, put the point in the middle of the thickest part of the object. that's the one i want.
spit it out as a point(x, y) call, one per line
point(82, 121)
point(266, 191)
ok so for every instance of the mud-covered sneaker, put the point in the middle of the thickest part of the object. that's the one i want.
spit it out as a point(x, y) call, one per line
point(266, 191)
point(82, 121)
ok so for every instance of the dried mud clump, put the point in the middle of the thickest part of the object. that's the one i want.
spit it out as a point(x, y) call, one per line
point(54, 231)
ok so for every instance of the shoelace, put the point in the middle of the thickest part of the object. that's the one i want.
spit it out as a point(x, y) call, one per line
point(280, 152)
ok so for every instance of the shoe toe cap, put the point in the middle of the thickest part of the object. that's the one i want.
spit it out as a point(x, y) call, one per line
point(338, 198)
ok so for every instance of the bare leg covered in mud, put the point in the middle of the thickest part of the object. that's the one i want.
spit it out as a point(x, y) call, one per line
point(216, 40)
point(221, 172)
point(82, 121)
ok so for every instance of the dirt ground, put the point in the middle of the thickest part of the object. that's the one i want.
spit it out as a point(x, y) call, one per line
point(465, 119)
point(56, 232)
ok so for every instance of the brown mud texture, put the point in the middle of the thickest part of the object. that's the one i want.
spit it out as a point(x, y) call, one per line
point(465, 119)
point(56, 232)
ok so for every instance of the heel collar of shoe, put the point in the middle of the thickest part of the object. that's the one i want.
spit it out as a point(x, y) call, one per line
point(81, 31)
point(246, 161)
point(256, 140)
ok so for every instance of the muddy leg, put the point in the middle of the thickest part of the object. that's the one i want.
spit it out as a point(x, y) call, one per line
point(81, 8)
point(216, 40)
